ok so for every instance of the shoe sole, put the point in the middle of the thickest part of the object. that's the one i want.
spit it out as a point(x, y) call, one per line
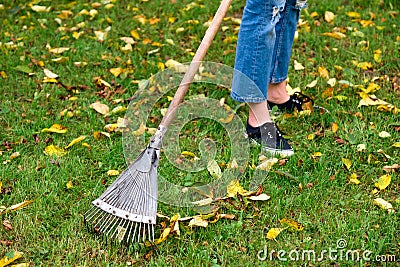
point(272, 151)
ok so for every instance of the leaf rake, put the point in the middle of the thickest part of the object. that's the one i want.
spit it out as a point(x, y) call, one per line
point(126, 211)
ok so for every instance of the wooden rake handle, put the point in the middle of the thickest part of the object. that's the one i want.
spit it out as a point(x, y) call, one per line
point(195, 64)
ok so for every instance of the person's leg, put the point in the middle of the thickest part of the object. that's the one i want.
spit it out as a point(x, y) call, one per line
point(254, 56)
point(285, 31)
point(253, 68)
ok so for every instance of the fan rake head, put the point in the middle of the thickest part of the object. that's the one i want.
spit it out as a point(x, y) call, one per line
point(126, 211)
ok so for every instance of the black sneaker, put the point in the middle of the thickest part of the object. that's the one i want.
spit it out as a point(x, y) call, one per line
point(270, 137)
point(297, 101)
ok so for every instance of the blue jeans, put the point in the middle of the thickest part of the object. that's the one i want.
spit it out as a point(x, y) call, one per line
point(264, 47)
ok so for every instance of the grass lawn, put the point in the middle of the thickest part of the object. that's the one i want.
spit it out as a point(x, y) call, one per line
point(346, 54)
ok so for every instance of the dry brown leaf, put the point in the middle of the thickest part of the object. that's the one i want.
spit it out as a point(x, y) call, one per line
point(100, 108)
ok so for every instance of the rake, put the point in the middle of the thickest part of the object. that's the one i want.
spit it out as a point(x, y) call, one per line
point(126, 211)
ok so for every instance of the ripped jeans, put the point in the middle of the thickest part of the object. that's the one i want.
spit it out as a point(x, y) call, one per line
point(264, 47)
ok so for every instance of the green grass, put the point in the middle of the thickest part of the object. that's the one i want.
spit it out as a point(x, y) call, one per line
point(50, 231)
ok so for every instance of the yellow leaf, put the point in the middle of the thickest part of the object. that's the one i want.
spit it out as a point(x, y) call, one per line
point(310, 137)
point(59, 50)
point(14, 155)
point(335, 127)
point(100, 108)
point(312, 84)
point(55, 128)
point(354, 179)
point(135, 34)
point(227, 119)
point(371, 88)
point(198, 221)
point(49, 74)
point(76, 140)
point(16, 206)
point(235, 188)
point(116, 71)
point(163, 236)
point(353, 14)
point(3, 74)
point(214, 169)
point(52, 150)
point(113, 173)
point(188, 153)
point(86, 145)
point(329, 16)
point(323, 72)
point(361, 147)
point(347, 163)
point(116, 110)
point(336, 35)
point(383, 181)
point(383, 204)
point(292, 224)
point(274, 232)
point(111, 127)
point(384, 134)
point(260, 197)
point(316, 155)
point(98, 135)
point(49, 80)
point(40, 9)
point(378, 56)
point(10, 257)
point(267, 164)
point(364, 65)
point(141, 130)
point(298, 66)
point(69, 185)
point(397, 144)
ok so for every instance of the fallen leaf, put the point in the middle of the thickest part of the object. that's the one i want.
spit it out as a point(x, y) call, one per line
point(214, 169)
point(354, 180)
point(260, 197)
point(40, 9)
point(14, 155)
point(336, 35)
point(76, 140)
point(141, 130)
point(16, 206)
point(69, 185)
point(49, 74)
point(335, 127)
point(323, 72)
point(378, 56)
point(383, 182)
point(267, 165)
point(59, 50)
point(53, 150)
point(347, 163)
point(361, 147)
point(100, 108)
point(198, 221)
point(116, 110)
point(329, 16)
point(113, 173)
point(227, 119)
point(116, 71)
point(387, 168)
point(203, 202)
point(163, 236)
point(384, 134)
point(383, 204)
point(292, 224)
point(298, 66)
point(55, 128)
point(274, 232)
point(312, 84)
point(10, 257)
point(98, 135)
point(7, 225)
point(235, 188)
point(397, 144)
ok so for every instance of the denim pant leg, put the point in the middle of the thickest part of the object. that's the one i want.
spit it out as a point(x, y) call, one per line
point(285, 30)
point(261, 34)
